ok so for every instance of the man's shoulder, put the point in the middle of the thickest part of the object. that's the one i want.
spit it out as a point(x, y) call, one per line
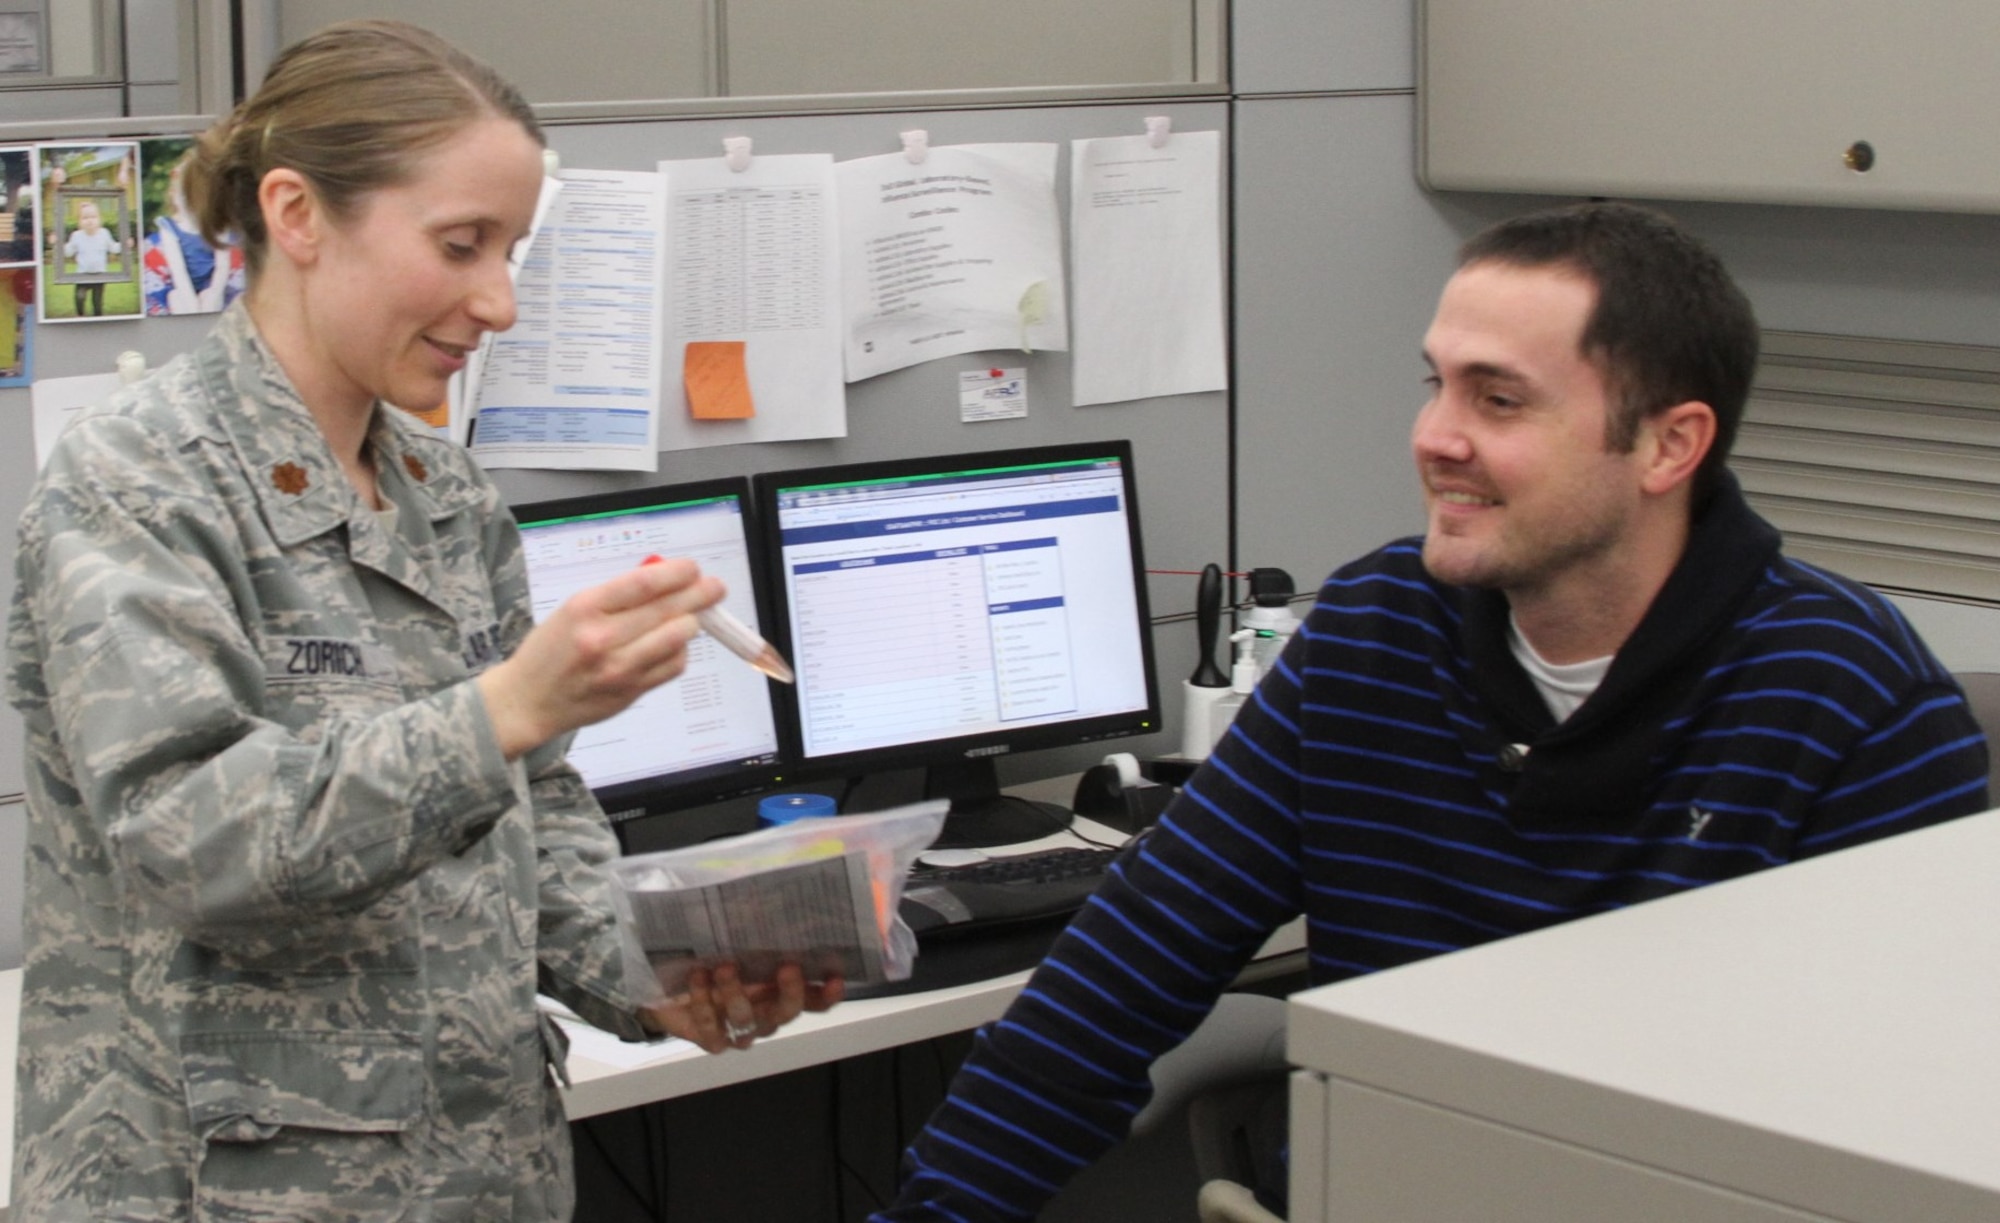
point(1391, 577)
point(1398, 561)
point(1800, 586)
point(1390, 581)
point(1804, 611)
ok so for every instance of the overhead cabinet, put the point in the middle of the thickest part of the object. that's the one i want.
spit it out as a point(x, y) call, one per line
point(1854, 103)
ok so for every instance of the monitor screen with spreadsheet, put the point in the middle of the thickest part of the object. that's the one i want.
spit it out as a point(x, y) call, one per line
point(941, 612)
point(709, 734)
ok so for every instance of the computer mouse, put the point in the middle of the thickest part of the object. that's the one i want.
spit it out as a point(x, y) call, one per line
point(947, 858)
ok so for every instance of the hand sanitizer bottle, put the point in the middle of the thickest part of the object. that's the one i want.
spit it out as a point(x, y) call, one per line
point(1242, 679)
point(1270, 615)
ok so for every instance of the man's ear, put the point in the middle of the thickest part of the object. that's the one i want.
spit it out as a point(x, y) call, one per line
point(293, 218)
point(1675, 441)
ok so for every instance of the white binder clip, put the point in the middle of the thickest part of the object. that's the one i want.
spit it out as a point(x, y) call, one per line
point(736, 153)
point(551, 163)
point(1158, 128)
point(916, 146)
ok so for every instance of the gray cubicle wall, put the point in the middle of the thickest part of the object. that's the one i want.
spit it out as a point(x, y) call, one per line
point(1181, 444)
point(1339, 254)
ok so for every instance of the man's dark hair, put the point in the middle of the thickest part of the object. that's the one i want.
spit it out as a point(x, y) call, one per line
point(1669, 325)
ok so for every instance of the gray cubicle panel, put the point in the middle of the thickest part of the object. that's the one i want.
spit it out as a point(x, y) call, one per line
point(1339, 256)
point(1310, 46)
point(1180, 444)
point(63, 350)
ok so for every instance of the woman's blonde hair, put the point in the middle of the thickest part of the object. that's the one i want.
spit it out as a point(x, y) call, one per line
point(347, 107)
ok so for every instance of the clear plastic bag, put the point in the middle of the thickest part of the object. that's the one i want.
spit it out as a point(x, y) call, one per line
point(821, 893)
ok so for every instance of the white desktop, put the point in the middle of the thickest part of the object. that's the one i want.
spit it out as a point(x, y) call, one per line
point(677, 1068)
point(1814, 1043)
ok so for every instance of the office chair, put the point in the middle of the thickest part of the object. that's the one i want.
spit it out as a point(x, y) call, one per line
point(1982, 693)
point(1227, 1074)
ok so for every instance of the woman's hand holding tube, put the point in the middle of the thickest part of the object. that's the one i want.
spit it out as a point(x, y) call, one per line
point(600, 651)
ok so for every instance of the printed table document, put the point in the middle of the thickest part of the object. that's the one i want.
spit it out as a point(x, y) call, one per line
point(751, 260)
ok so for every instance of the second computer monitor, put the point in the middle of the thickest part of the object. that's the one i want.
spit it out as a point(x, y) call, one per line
point(944, 611)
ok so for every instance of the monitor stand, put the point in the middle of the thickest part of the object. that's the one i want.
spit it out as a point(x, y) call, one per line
point(981, 815)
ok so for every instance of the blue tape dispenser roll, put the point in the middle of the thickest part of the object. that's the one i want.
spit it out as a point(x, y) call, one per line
point(784, 808)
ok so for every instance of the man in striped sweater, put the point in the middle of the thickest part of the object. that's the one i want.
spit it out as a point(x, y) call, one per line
point(1594, 680)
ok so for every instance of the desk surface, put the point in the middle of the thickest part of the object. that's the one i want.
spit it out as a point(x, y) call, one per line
point(850, 1029)
point(1825, 1035)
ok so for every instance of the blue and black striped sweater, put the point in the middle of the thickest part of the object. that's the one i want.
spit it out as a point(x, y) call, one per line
point(1398, 780)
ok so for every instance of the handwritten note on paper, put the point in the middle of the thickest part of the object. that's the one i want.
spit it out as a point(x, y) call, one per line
point(717, 380)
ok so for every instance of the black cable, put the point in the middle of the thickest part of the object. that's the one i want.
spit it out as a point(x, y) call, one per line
point(1093, 842)
point(617, 1172)
point(1246, 605)
point(841, 1161)
point(657, 1159)
point(946, 1071)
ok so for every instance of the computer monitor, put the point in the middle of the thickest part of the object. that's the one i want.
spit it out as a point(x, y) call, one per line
point(945, 611)
point(710, 734)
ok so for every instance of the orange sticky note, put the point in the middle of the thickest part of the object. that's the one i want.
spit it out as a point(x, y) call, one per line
point(718, 383)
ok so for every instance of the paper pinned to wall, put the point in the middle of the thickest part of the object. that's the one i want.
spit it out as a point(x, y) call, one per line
point(461, 396)
point(962, 253)
point(1146, 248)
point(992, 394)
point(576, 382)
point(59, 401)
point(751, 258)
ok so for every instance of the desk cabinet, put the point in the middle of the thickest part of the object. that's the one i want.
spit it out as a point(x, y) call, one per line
point(1816, 1042)
point(1777, 101)
point(1390, 1159)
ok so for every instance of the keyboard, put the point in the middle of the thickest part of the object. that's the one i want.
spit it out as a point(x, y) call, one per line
point(1005, 890)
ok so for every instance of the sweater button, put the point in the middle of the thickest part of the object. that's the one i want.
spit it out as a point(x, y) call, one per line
point(1513, 757)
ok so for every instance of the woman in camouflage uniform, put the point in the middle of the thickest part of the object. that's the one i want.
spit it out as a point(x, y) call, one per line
point(302, 842)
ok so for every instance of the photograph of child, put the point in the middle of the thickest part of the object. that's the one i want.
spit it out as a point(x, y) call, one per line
point(87, 201)
point(181, 271)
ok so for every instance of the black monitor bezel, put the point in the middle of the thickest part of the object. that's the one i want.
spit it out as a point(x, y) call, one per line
point(629, 800)
point(964, 749)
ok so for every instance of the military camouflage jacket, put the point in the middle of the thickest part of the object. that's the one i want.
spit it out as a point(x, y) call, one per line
point(287, 904)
